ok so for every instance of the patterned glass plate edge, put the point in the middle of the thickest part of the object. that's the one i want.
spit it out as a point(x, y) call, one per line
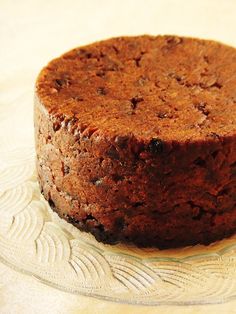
point(35, 241)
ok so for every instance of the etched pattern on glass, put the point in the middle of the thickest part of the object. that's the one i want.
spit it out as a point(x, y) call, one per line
point(34, 240)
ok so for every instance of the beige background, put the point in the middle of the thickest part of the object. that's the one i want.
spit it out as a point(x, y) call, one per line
point(33, 32)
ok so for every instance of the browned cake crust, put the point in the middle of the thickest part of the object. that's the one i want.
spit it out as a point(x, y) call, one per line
point(136, 139)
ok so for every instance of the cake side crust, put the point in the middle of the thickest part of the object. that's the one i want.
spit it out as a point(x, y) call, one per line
point(123, 190)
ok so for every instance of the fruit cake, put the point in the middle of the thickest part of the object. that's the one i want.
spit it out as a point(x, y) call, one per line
point(136, 139)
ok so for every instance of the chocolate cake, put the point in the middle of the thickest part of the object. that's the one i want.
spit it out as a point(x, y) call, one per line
point(136, 139)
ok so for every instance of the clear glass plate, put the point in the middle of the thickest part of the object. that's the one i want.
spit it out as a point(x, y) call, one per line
point(35, 241)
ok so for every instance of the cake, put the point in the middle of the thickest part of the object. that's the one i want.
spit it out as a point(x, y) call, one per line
point(136, 139)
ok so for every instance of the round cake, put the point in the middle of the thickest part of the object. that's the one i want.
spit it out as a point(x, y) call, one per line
point(136, 139)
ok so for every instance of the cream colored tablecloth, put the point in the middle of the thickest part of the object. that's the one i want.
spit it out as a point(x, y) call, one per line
point(33, 32)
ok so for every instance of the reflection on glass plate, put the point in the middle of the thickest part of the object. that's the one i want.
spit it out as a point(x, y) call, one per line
point(34, 240)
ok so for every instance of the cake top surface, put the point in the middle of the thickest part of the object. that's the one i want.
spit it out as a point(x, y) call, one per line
point(167, 87)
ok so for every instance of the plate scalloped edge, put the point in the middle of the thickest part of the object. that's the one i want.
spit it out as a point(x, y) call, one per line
point(35, 241)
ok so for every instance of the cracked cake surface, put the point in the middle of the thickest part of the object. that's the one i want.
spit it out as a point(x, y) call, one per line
point(135, 139)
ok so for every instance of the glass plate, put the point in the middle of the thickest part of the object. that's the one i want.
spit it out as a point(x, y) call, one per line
point(35, 241)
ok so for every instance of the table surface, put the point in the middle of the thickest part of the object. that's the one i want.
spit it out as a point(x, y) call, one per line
point(32, 33)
